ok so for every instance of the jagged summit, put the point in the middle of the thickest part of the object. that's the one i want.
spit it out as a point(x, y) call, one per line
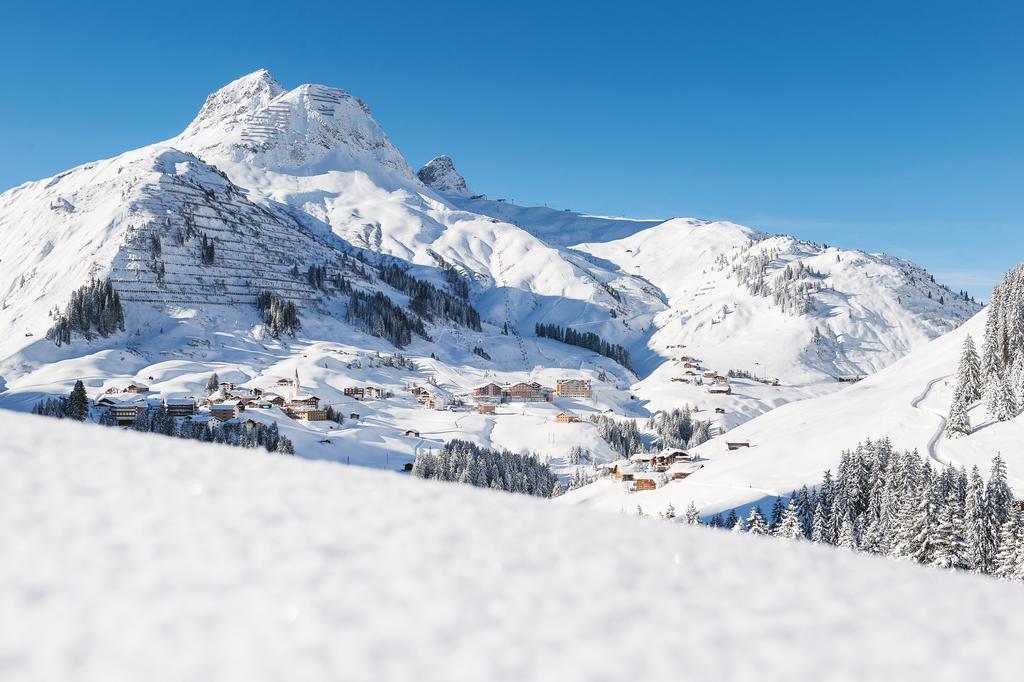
point(313, 129)
point(439, 174)
point(237, 99)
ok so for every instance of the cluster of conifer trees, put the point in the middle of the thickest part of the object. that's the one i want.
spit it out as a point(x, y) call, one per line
point(467, 462)
point(94, 308)
point(678, 429)
point(207, 251)
point(279, 314)
point(896, 504)
point(377, 315)
point(429, 301)
point(588, 340)
point(623, 436)
point(74, 406)
point(997, 375)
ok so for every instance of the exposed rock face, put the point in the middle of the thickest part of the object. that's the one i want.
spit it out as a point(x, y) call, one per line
point(439, 174)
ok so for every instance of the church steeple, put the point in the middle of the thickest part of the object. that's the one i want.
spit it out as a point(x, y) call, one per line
point(295, 385)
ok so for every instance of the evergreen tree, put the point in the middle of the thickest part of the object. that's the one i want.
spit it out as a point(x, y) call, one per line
point(212, 384)
point(1005, 564)
point(756, 524)
point(977, 536)
point(692, 515)
point(958, 423)
point(969, 377)
point(738, 527)
point(78, 403)
point(789, 526)
point(1003, 400)
point(778, 509)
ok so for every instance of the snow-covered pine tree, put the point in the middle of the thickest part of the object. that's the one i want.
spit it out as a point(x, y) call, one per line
point(790, 526)
point(977, 535)
point(847, 535)
point(820, 531)
point(969, 378)
point(756, 524)
point(951, 547)
point(692, 514)
point(738, 527)
point(958, 423)
point(1005, 564)
point(1003, 400)
point(212, 384)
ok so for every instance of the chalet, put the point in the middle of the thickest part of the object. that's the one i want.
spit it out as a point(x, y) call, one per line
point(135, 388)
point(737, 444)
point(719, 379)
point(413, 433)
point(681, 470)
point(227, 386)
point(564, 418)
point(125, 413)
point(357, 392)
point(622, 470)
point(691, 365)
point(485, 408)
point(229, 409)
point(180, 407)
point(275, 400)
point(720, 389)
point(670, 456)
point(641, 458)
point(690, 373)
point(284, 382)
point(573, 388)
point(375, 392)
point(305, 407)
point(642, 483)
point(710, 374)
point(353, 415)
point(719, 410)
point(491, 390)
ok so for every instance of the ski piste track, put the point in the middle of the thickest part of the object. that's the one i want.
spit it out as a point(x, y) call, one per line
point(932, 446)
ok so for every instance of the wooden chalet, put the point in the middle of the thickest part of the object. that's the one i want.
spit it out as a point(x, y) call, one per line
point(564, 418)
point(135, 388)
point(485, 408)
point(180, 407)
point(412, 433)
point(229, 409)
point(737, 444)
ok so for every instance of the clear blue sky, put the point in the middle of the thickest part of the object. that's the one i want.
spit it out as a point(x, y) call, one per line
point(891, 126)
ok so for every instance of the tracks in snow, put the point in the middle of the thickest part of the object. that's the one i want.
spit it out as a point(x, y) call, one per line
point(934, 440)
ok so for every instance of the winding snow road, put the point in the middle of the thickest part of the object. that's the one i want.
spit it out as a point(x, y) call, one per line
point(934, 440)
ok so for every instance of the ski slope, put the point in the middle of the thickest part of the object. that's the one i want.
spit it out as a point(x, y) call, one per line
point(130, 556)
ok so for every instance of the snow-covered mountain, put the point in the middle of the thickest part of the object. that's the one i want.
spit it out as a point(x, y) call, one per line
point(280, 181)
point(131, 556)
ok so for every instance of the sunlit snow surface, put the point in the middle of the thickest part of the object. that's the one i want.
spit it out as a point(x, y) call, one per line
point(131, 557)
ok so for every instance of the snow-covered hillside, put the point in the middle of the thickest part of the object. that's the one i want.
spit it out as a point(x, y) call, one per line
point(791, 446)
point(128, 556)
point(279, 181)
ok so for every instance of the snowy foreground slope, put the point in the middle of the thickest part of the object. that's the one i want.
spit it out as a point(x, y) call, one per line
point(128, 556)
